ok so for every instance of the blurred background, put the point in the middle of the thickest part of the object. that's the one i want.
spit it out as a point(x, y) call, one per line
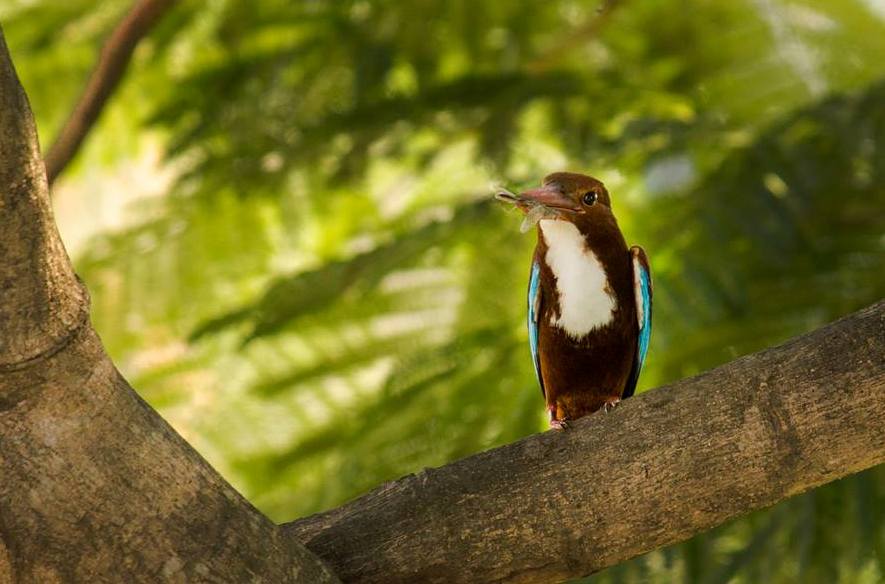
point(284, 218)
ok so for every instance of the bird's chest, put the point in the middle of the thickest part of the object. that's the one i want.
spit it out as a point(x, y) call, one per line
point(585, 300)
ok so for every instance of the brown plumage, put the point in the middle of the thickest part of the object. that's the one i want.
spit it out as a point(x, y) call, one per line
point(586, 351)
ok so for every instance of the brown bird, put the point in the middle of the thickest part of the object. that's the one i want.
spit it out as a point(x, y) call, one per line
point(590, 298)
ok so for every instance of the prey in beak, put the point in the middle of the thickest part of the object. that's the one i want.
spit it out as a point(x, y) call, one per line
point(546, 202)
point(552, 196)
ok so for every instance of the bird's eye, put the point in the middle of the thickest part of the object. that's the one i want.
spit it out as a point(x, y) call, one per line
point(589, 198)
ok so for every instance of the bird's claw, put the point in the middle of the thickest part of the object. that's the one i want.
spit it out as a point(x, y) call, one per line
point(559, 424)
point(610, 404)
point(555, 422)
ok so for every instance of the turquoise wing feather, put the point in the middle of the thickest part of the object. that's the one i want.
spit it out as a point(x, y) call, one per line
point(642, 289)
point(534, 302)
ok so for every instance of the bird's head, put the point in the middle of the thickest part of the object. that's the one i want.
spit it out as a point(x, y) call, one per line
point(566, 196)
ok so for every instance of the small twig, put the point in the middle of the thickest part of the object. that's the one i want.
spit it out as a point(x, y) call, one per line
point(105, 78)
point(578, 36)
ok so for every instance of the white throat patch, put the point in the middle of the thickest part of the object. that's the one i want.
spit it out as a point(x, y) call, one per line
point(585, 302)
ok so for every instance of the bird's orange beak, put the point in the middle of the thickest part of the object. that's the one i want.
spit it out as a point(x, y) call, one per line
point(551, 197)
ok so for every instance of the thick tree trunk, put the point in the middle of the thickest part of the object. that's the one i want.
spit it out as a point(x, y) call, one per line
point(658, 469)
point(95, 487)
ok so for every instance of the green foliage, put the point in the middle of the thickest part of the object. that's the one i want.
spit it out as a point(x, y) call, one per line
point(325, 298)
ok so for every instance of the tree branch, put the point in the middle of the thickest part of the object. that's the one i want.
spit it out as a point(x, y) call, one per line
point(660, 468)
point(108, 72)
point(95, 486)
point(36, 279)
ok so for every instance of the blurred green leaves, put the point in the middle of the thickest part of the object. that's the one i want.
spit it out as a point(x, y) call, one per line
point(352, 279)
point(325, 298)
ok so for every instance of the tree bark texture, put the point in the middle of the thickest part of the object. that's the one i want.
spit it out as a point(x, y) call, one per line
point(108, 72)
point(94, 485)
point(658, 469)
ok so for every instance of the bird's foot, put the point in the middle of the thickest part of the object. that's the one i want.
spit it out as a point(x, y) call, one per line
point(559, 424)
point(555, 423)
point(610, 404)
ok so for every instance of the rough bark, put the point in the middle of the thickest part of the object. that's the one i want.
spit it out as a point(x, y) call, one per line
point(112, 63)
point(94, 485)
point(658, 469)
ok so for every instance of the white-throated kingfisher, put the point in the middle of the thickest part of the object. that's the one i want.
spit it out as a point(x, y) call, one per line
point(590, 298)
